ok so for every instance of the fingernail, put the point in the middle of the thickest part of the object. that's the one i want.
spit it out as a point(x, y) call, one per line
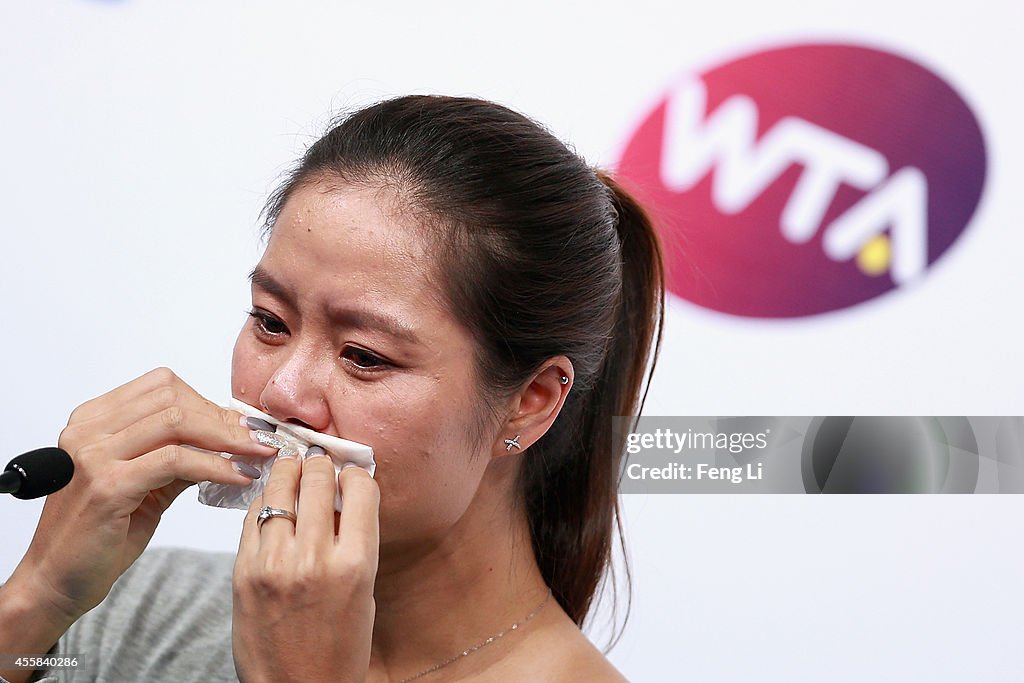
point(257, 423)
point(288, 452)
point(246, 469)
point(348, 464)
point(315, 452)
point(267, 439)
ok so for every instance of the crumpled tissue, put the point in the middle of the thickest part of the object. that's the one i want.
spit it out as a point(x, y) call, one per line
point(341, 451)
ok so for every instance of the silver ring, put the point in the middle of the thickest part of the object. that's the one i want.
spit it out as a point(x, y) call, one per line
point(266, 512)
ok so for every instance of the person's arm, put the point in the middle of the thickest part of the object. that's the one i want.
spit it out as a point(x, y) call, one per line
point(26, 628)
point(131, 462)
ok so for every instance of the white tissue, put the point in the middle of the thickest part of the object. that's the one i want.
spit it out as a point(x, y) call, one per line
point(341, 451)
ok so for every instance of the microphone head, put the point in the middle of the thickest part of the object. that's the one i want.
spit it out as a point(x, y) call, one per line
point(44, 471)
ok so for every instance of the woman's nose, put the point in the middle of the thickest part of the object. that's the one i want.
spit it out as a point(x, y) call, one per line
point(296, 390)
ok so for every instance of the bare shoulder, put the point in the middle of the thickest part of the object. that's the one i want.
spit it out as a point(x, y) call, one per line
point(586, 664)
point(560, 652)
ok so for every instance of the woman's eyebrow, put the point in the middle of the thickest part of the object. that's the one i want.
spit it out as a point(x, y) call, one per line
point(340, 315)
point(265, 281)
point(373, 320)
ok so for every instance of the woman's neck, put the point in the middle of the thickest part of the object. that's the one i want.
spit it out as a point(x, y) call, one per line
point(436, 601)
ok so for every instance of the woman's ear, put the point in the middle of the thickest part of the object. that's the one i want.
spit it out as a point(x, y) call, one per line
point(536, 406)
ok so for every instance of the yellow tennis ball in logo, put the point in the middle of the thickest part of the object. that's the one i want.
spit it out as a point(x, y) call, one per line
point(874, 257)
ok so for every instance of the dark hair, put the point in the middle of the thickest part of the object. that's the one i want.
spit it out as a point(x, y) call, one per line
point(542, 256)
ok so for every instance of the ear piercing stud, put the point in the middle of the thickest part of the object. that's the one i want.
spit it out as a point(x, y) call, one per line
point(564, 380)
point(509, 443)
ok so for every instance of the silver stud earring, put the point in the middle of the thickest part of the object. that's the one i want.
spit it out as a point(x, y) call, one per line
point(509, 443)
point(564, 380)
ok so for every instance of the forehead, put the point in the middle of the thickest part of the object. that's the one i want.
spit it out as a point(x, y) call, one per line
point(359, 245)
point(327, 218)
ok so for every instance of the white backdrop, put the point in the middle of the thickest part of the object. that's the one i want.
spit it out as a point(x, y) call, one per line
point(140, 139)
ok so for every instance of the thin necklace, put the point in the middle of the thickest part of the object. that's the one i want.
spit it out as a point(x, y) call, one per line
point(483, 643)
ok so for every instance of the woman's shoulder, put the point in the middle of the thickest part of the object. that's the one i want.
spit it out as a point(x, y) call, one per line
point(578, 659)
point(559, 651)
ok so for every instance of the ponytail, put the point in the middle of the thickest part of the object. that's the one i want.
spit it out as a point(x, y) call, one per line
point(573, 506)
point(642, 310)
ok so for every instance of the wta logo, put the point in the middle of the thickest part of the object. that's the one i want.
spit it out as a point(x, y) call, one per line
point(806, 179)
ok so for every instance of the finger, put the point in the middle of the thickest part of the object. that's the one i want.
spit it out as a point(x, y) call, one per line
point(126, 392)
point(317, 489)
point(360, 505)
point(170, 464)
point(166, 495)
point(249, 540)
point(280, 491)
point(146, 518)
point(134, 409)
point(219, 431)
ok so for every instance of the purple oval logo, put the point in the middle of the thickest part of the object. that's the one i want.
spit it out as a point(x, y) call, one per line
point(806, 179)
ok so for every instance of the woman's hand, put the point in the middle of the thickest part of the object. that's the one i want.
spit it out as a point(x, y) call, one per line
point(129, 466)
point(303, 591)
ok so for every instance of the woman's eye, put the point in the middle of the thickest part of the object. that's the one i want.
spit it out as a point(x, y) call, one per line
point(363, 359)
point(267, 324)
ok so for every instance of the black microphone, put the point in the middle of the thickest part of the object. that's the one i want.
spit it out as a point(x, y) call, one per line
point(37, 473)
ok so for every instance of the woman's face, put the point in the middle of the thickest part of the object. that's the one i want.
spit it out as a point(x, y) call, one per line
point(350, 336)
